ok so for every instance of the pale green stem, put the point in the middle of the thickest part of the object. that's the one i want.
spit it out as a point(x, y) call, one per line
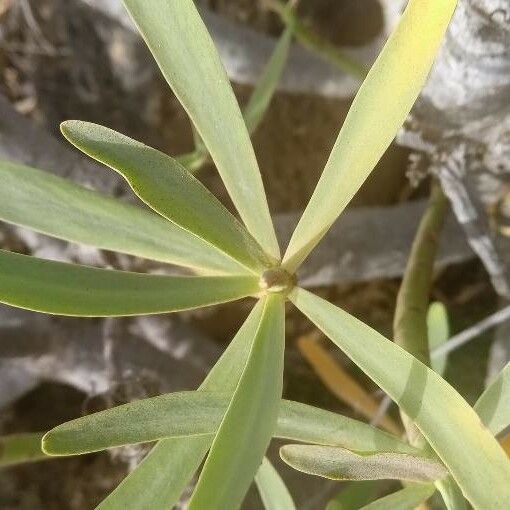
point(315, 43)
point(410, 322)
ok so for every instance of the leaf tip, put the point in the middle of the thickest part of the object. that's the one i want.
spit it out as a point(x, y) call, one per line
point(46, 444)
point(68, 129)
point(71, 129)
point(66, 126)
point(286, 452)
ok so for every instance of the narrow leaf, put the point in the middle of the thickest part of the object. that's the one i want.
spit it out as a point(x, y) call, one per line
point(169, 189)
point(257, 105)
point(272, 489)
point(183, 414)
point(194, 413)
point(159, 480)
point(266, 86)
point(379, 109)
point(69, 289)
point(453, 429)
point(409, 498)
point(150, 486)
point(438, 334)
point(451, 494)
point(339, 464)
point(301, 422)
point(250, 420)
point(193, 161)
point(48, 204)
point(355, 495)
point(493, 406)
point(21, 448)
point(200, 147)
point(186, 55)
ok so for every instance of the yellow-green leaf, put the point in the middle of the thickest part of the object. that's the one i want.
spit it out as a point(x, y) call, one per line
point(169, 189)
point(451, 494)
point(377, 112)
point(185, 53)
point(250, 419)
point(257, 106)
point(355, 495)
point(340, 464)
point(409, 498)
point(438, 333)
point(266, 85)
point(70, 289)
point(467, 448)
point(149, 486)
point(493, 406)
point(48, 204)
point(21, 448)
point(272, 489)
point(193, 413)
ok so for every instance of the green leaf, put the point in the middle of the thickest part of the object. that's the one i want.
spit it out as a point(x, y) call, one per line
point(226, 373)
point(453, 429)
point(257, 105)
point(183, 414)
point(186, 55)
point(21, 448)
point(266, 86)
point(355, 495)
point(150, 486)
point(377, 112)
point(408, 498)
point(169, 189)
point(301, 422)
point(194, 413)
point(340, 464)
point(493, 406)
point(193, 161)
point(438, 334)
point(70, 289)
point(200, 147)
point(48, 204)
point(272, 489)
point(451, 494)
point(159, 480)
point(250, 420)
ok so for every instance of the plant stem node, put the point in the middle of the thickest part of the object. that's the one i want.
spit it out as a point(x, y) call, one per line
point(276, 280)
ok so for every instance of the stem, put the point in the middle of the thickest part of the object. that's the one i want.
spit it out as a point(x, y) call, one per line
point(410, 322)
point(315, 42)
